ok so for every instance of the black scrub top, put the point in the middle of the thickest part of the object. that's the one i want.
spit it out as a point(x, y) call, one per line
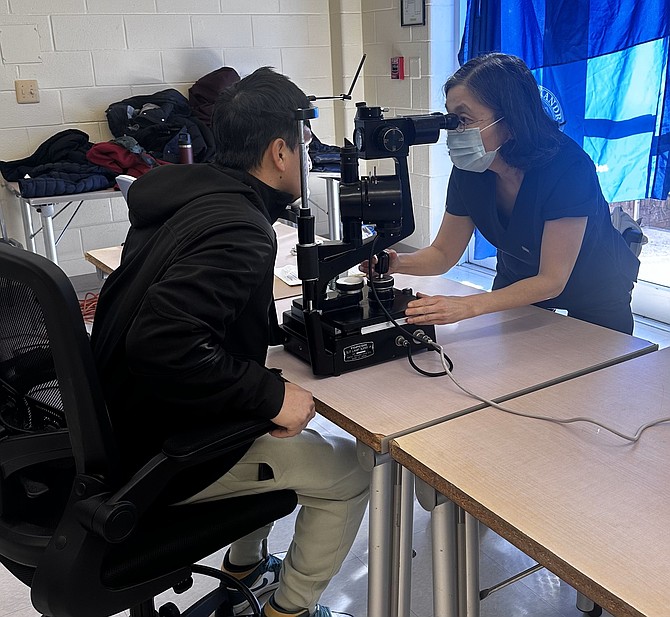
point(565, 186)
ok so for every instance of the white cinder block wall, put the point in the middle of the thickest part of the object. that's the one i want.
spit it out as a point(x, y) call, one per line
point(87, 54)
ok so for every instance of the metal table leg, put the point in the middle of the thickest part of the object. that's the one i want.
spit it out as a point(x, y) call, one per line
point(462, 579)
point(46, 213)
point(585, 605)
point(472, 565)
point(27, 221)
point(444, 550)
point(404, 528)
point(380, 536)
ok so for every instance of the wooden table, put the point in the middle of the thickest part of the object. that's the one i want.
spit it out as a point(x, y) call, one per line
point(106, 260)
point(500, 356)
point(590, 507)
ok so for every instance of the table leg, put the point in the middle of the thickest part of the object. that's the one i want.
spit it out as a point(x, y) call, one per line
point(444, 549)
point(380, 535)
point(462, 579)
point(27, 220)
point(404, 528)
point(46, 213)
point(455, 547)
point(585, 605)
point(472, 565)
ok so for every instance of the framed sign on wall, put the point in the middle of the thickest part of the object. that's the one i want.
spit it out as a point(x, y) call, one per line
point(412, 12)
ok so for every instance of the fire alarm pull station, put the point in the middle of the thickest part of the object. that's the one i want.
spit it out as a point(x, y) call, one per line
point(398, 67)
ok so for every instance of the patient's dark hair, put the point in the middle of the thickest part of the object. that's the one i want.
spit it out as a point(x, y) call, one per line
point(252, 113)
point(504, 84)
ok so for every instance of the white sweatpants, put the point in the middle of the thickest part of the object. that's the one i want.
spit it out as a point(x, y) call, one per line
point(332, 491)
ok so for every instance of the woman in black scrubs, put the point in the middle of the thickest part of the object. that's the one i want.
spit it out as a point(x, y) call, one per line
point(534, 194)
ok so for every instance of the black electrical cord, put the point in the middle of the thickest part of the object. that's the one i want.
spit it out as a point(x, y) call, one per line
point(426, 340)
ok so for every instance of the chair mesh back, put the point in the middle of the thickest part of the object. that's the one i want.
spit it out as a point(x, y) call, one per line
point(30, 398)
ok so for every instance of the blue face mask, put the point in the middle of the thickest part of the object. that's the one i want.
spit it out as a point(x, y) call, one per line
point(466, 149)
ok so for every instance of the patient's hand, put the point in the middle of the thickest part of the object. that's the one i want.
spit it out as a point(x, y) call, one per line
point(296, 412)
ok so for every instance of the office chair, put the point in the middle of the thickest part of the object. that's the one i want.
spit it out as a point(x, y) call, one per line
point(88, 542)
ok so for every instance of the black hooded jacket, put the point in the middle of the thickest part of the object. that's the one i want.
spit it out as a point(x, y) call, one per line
point(181, 330)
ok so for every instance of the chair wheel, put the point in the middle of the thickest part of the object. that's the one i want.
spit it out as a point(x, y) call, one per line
point(169, 609)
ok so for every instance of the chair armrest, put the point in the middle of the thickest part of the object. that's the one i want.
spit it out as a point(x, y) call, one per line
point(202, 444)
point(114, 516)
point(19, 452)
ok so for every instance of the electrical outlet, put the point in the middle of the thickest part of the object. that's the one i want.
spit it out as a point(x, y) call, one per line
point(27, 91)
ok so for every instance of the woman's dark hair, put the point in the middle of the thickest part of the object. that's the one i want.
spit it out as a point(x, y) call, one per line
point(252, 113)
point(504, 84)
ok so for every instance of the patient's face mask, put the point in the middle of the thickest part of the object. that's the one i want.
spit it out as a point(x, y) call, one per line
point(467, 151)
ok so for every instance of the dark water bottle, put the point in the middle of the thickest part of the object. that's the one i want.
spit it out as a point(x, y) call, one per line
point(185, 148)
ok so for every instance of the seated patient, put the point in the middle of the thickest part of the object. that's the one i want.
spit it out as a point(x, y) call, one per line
point(182, 331)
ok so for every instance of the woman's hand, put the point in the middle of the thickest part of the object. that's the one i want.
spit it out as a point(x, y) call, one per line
point(436, 310)
point(394, 263)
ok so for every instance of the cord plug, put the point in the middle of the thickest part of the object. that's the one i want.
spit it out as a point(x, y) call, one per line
point(423, 337)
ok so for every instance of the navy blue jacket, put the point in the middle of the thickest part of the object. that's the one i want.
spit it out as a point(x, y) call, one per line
point(566, 186)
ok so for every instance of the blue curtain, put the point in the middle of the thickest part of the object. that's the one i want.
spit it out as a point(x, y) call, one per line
point(602, 67)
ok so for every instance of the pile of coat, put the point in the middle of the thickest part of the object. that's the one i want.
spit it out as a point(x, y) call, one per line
point(59, 166)
point(146, 131)
point(157, 120)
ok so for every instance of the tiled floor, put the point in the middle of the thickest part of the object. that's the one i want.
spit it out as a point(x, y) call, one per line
point(540, 595)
